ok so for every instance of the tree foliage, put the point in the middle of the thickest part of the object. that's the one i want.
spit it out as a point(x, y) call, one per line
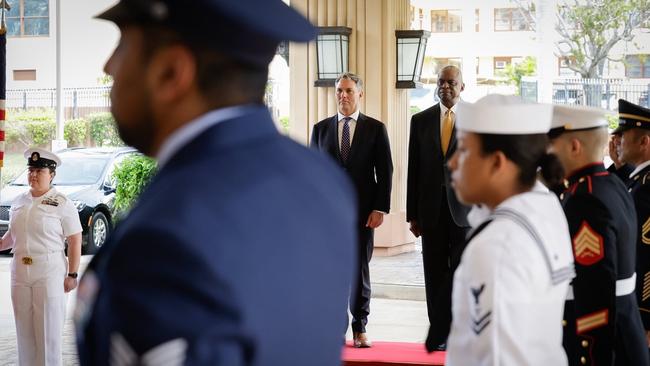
point(515, 71)
point(131, 176)
point(589, 29)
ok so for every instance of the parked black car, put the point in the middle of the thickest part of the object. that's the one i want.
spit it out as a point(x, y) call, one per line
point(85, 176)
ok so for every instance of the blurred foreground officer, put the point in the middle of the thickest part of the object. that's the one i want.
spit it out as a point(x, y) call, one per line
point(510, 286)
point(240, 251)
point(602, 323)
point(359, 144)
point(40, 221)
point(634, 122)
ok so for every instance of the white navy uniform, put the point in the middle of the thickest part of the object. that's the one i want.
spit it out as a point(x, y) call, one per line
point(38, 227)
point(508, 310)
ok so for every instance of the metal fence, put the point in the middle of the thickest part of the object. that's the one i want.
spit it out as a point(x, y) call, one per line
point(77, 102)
point(603, 93)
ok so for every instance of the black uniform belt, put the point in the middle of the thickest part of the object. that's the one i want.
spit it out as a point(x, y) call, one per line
point(623, 287)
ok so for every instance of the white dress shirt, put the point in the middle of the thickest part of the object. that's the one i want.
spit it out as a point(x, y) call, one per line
point(352, 123)
point(639, 168)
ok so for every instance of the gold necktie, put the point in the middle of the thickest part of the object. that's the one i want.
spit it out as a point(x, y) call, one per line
point(447, 127)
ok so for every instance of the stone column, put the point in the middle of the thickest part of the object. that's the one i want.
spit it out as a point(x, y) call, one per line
point(373, 58)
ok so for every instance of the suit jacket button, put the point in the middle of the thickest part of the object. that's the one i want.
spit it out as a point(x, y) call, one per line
point(585, 344)
point(583, 360)
point(563, 323)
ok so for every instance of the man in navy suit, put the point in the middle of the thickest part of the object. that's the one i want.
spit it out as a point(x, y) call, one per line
point(240, 251)
point(359, 144)
point(432, 208)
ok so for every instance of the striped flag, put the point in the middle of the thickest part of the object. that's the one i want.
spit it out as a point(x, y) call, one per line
point(3, 79)
point(3, 89)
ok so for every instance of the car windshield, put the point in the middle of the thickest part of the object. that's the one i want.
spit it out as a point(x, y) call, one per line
point(74, 171)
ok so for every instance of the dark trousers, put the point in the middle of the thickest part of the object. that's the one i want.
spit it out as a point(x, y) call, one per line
point(442, 248)
point(360, 291)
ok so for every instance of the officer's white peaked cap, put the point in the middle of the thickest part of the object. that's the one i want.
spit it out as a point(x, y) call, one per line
point(574, 118)
point(41, 158)
point(503, 115)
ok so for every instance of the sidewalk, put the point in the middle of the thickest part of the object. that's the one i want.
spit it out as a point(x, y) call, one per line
point(399, 277)
point(398, 311)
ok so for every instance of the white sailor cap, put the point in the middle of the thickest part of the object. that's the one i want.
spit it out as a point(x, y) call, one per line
point(575, 118)
point(504, 115)
point(41, 158)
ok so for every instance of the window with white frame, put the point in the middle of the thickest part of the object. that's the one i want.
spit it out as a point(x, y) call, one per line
point(28, 18)
point(446, 21)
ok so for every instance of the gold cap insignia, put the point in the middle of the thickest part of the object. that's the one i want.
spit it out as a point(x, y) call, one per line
point(35, 156)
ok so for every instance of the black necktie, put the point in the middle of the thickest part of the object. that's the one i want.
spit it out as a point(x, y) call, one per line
point(345, 139)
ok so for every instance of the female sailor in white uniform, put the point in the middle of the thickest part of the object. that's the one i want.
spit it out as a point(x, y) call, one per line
point(510, 287)
point(40, 221)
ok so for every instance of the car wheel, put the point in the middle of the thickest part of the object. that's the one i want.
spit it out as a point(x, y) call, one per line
point(98, 232)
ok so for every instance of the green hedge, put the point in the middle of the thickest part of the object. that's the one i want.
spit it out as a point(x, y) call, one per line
point(103, 130)
point(131, 176)
point(75, 131)
point(37, 127)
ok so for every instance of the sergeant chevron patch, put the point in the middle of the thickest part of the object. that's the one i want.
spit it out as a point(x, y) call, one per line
point(645, 229)
point(588, 245)
point(591, 321)
point(646, 287)
point(479, 324)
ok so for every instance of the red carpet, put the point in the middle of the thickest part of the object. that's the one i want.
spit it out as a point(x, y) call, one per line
point(391, 354)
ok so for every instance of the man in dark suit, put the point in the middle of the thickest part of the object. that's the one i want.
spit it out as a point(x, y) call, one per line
point(359, 144)
point(239, 252)
point(432, 208)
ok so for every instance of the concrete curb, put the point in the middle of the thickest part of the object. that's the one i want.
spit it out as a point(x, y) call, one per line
point(398, 292)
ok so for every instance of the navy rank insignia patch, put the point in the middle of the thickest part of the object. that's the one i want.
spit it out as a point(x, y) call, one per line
point(645, 229)
point(588, 246)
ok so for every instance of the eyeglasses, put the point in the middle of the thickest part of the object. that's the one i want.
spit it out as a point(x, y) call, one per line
point(450, 82)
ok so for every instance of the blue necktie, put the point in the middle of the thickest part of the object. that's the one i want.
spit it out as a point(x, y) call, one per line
point(345, 139)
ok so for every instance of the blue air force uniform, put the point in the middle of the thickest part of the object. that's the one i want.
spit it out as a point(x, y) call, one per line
point(240, 250)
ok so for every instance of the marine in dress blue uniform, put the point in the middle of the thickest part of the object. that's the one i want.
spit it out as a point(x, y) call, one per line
point(601, 323)
point(634, 123)
point(240, 251)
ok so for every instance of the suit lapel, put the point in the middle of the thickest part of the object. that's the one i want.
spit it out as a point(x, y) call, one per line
point(358, 137)
point(435, 133)
point(333, 138)
point(452, 143)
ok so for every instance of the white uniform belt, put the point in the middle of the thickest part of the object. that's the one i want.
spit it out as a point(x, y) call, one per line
point(623, 287)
